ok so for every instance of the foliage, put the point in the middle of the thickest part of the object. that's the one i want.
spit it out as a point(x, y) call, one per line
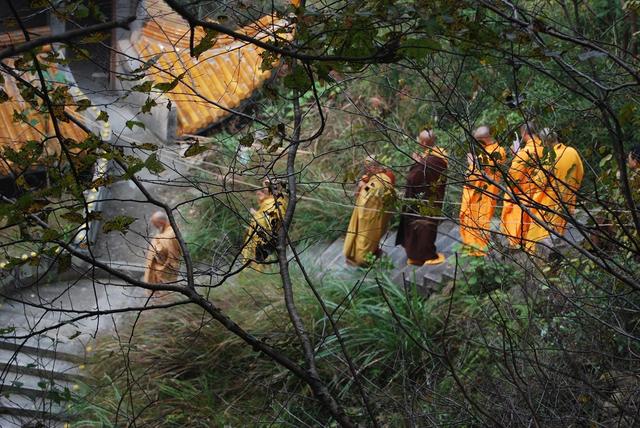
point(513, 341)
point(449, 352)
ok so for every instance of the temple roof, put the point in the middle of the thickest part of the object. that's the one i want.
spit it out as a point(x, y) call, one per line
point(220, 79)
point(15, 133)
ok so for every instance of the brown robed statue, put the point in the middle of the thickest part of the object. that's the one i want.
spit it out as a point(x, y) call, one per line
point(424, 192)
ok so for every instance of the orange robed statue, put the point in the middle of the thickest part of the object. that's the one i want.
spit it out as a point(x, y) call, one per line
point(369, 220)
point(164, 254)
point(480, 194)
point(562, 175)
point(521, 181)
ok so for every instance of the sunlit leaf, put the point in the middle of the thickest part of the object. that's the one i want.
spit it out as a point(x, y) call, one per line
point(119, 223)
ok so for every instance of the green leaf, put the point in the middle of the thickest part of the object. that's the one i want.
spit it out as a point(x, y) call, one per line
point(246, 141)
point(103, 116)
point(143, 87)
point(119, 223)
point(83, 104)
point(297, 79)
point(81, 11)
point(74, 335)
point(148, 105)
point(3, 96)
point(73, 217)
point(146, 146)
point(626, 113)
point(64, 262)
point(168, 86)
point(195, 149)
point(153, 164)
point(50, 235)
point(605, 159)
point(419, 48)
point(131, 123)
point(94, 38)
point(205, 43)
point(268, 60)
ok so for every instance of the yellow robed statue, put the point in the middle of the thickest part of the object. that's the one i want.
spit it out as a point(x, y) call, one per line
point(261, 236)
point(370, 217)
point(562, 175)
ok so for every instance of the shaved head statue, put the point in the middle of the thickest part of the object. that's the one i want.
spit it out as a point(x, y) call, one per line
point(427, 138)
point(159, 220)
point(483, 134)
point(529, 128)
point(548, 136)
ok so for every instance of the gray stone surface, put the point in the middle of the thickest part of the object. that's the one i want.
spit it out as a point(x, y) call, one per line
point(42, 347)
point(49, 329)
point(11, 421)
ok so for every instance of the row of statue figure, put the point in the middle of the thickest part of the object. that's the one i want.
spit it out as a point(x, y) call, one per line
point(538, 192)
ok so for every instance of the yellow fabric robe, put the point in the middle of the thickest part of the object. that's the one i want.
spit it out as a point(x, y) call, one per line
point(369, 221)
point(479, 198)
point(258, 240)
point(514, 221)
point(563, 179)
point(163, 258)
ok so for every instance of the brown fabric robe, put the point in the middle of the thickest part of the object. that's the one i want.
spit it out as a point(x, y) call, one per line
point(426, 182)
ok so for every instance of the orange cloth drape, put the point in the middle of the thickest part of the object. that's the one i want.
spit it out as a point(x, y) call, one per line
point(521, 180)
point(479, 197)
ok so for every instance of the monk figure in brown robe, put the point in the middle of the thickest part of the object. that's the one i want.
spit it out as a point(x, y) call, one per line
point(164, 254)
point(424, 195)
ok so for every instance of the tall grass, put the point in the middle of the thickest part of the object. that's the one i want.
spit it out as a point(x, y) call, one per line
point(185, 370)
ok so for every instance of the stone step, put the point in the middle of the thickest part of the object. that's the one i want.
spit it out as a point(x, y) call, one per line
point(398, 256)
point(573, 235)
point(389, 240)
point(311, 253)
point(32, 317)
point(334, 257)
point(20, 363)
point(35, 386)
point(10, 421)
point(24, 406)
point(43, 373)
point(40, 352)
point(52, 342)
point(125, 267)
point(330, 253)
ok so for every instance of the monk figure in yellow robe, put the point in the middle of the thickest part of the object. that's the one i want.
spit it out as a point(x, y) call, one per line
point(480, 194)
point(370, 217)
point(164, 254)
point(562, 174)
point(261, 236)
point(520, 181)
